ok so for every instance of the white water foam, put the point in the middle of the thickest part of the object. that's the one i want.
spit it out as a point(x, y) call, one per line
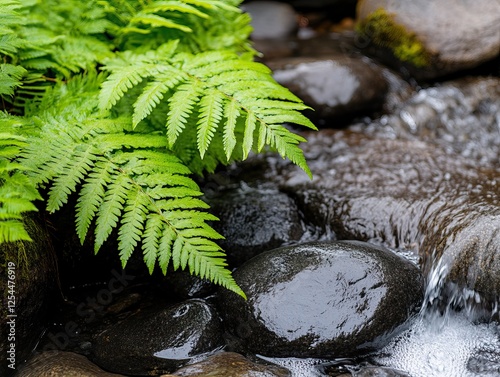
point(457, 348)
point(298, 367)
point(444, 342)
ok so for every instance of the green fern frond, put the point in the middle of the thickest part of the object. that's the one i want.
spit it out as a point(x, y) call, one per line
point(17, 192)
point(152, 95)
point(181, 105)
point(211, 111)
point(126, 180)
point(156, 21)
point(169, 6)
point(92, 196)
point(206, 94)
point(10, 78)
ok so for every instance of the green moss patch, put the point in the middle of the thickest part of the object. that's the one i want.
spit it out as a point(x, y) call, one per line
point(381, 29)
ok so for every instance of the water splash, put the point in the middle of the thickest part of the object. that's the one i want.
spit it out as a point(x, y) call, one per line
point(448, 338)
point(456, 349)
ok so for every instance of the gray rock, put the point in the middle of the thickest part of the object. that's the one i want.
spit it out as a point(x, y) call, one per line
point(271, 19)
point(160, 339)
point(437, 37)
point(230, 364)
point(322, 300)
point(61, 364)
point(254, 220)
point(335, 86)
point(31, 267)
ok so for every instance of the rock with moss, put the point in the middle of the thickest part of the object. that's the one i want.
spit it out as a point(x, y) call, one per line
point(430, 39)
point(27, 282)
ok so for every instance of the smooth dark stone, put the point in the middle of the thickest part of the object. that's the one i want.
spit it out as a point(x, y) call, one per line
point(62, 364)
point(324, 300)
point(159, 340)
point(34, 290)
point(230, 364)
point(335, 86)
point(254, 220)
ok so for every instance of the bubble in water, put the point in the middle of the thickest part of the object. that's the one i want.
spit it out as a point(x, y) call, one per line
point(297, 367)
point(456, 348)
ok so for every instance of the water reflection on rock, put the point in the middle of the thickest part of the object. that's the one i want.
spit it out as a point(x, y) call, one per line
point(321, 300)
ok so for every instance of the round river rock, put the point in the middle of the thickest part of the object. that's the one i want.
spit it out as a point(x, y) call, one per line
point(159, 340)
point(321, 299)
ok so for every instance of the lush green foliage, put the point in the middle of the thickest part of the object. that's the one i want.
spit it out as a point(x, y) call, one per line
point(121, 101)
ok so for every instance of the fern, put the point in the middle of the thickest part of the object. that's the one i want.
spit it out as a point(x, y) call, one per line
point(126, 180)
point(211, 91)
point(120, 102)
point(17, 191)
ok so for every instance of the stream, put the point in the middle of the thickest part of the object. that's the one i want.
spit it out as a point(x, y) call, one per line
point(385, 264)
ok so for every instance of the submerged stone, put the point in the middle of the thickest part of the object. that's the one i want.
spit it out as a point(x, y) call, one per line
point(322, 300)
point(62, 364)
point(159, 340)
point(230, 364)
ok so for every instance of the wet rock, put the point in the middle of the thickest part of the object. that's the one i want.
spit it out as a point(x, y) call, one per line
point(460, 116)
point(406, 195)
point(254, 220)
point(323, 300)
point(331, 44)
point(28, 270)
point(230, 364)
point(432, 39)
point(320, 3)
point(159, 340)
point(275, 48)
point(187, 286)
point(335, 87)
point(61, 364)
point(373, 371)
point(271, 19)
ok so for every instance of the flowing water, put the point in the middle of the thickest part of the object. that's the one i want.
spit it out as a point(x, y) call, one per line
point(455, 338)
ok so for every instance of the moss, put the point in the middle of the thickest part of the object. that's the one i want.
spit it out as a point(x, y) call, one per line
point(381, 29)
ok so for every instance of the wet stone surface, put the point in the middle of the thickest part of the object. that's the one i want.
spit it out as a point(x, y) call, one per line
point(255, 220)
point(62, 364)
point(321, 300)
point(159, 340)
point(459, 116)
point(230, 364)
point(335, 86)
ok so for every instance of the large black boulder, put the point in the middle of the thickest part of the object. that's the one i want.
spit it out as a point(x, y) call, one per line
point(321, 299)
